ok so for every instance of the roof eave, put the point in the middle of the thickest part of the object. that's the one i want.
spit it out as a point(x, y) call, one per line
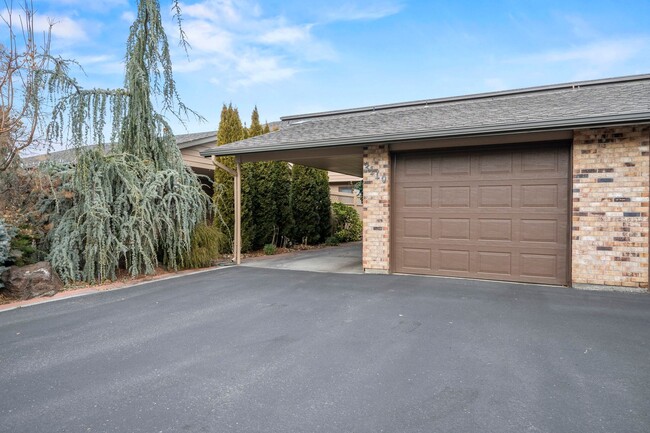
point(197, 141)
point(552, 125)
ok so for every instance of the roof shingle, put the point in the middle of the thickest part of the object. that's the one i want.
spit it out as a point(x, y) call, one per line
point(565, 106)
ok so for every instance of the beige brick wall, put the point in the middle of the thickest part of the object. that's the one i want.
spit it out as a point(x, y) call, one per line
point(376, 209)
point(610, 206)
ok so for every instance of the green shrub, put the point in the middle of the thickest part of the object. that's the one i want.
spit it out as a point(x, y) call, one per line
point(270, 249)
point(24, 247)
point(346, 222)
point(332, 241)
point(207, 242)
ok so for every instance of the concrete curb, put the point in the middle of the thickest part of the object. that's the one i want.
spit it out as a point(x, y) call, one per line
point(76, 293)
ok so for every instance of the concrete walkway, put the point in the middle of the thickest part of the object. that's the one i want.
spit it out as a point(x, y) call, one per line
point(343, 259)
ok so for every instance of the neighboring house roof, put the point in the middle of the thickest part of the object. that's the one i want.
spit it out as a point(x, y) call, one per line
point(184, 141)
point(68, 155)
point(60, 156)
point(190, 146)
point(196, 138)
point(556, 107)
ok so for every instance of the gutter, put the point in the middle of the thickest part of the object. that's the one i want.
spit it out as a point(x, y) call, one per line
point(551, 125)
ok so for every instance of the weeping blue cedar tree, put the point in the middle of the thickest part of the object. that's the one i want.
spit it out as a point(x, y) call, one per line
point(5, 244)
point(136, 205)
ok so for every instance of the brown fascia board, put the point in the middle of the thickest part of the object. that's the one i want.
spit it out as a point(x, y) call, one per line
point(475, 96)
point(552, 125)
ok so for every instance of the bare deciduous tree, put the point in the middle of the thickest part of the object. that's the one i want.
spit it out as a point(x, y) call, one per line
point(30, 80)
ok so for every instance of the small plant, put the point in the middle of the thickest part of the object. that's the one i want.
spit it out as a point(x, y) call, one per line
point(332, 241)
point(358, 187)
point(23, 246)
point(347, 224)
point(207, 242)
point(270, 249)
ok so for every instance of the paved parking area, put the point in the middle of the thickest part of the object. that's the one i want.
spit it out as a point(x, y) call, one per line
point(243, 349)
point(342, 259)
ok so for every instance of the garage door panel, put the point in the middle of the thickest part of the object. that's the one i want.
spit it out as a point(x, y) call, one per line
point(494, 196)
point(453, 164)
point(495, 164)
point(542, 161)
point(419, 228)
point(492, 262)
point(495, 214)
point(465, 260)
point(414, 166)
point(539, 265)
point(545, 231)
point(454, 196)
point(495, 226)
point(417, 258)
point(454, 228)
point(494, 229)
point(540, 196)
point(455, 260)
point(417, 196)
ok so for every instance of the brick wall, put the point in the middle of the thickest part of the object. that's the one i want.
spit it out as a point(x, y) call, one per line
point(376, 209)
point(610, 206)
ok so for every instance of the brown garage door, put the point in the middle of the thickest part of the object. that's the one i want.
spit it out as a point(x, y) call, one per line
point(493, 213)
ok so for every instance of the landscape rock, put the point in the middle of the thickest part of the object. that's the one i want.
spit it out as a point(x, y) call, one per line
point(26, 282)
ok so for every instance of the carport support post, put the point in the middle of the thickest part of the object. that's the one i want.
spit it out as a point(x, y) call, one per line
point(236, 174)
point(238, 211)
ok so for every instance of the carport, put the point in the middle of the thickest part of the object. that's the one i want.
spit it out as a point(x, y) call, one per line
point(346, 160)
point(539, 185)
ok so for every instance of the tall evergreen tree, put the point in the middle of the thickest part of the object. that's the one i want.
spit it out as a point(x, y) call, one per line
point(280, 175)
point(324, 204)
point(272, 218)
point(230, 130)
point(260, 214)
point(137, 205)
point(310, 204)
point(266, 188)
point(256, 127)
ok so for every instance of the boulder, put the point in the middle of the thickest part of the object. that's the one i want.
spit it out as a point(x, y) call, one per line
point(31, 281)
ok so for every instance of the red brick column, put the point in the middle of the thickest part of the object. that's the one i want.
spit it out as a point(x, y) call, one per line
point(376, 209)
point(610, 206)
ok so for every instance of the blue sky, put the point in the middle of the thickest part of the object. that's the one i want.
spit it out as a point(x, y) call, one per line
point(291, 57)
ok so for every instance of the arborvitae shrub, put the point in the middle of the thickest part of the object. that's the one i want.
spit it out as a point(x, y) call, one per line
point(230, 130)
point(310, 202)
point(279, 175)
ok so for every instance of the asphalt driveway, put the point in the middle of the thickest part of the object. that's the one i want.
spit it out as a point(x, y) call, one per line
point(256, 350)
